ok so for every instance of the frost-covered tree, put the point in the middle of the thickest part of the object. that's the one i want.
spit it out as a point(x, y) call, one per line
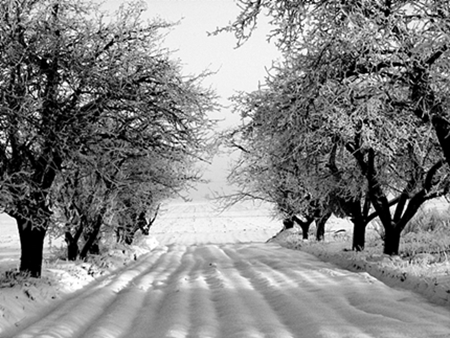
point(73, 77)
point(369, 76)
point(406, 43)
point(346, 151)
point(284, 162)
point(266, 170)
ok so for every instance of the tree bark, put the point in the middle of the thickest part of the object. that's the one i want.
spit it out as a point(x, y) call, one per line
point(391, 240)
point(72, 247)
point(442, 129)
point(359, 234)
point(91, 245)
point(288, 223)
point(90, 242)
point(305, 230)
point(72, 240)
point(320, 225)
point(304, 226)
point(32, 247)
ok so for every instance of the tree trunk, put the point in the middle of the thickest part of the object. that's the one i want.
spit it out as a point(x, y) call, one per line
point(72, 247)
point(72, 240)
point(32, 247)
point(87, 247)
point(95, 246)
point(304, 226)
point(359, 234)
point(441, 127)
point(391, 241)
point(91, 245)
point(320, 230)
point(305, 229)
point(320, 225)
point(288, 223)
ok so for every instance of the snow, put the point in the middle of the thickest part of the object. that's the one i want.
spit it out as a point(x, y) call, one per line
point(202, 223)
point(416, 274)
point(207, 274)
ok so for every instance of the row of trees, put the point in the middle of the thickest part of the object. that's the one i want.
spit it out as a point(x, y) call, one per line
point(97, 124)
point(354, 120)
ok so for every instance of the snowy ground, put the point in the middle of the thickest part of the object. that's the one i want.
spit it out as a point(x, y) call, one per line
point(416, 274)
point(201, 223)
point(213, 275)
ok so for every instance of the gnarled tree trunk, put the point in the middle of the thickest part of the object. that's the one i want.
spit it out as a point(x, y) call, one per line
point(304, 225)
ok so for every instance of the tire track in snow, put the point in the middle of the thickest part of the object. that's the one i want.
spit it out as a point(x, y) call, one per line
point(172, 318)
point(240, 290)
point(76, 314)
point(265, 318)
point(322, 299)
point(294, 300)
point(235, 319)
point(202, 309)
point(150, 322)
point(130, 300)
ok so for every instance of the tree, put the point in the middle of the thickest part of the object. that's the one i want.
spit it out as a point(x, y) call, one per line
point(281, 161)
point(406, 42)
point(72, 77)
point(266, 169)
point(113, 189)
point(367, 91)
point(319, 136)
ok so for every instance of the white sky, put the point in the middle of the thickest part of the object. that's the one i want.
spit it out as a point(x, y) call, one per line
point(237, 69)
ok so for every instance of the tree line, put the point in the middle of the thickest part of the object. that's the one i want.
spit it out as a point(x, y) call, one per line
point(98, 124)
point(354, 119)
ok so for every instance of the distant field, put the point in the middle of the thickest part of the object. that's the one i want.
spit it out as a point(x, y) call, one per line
point(202, 223)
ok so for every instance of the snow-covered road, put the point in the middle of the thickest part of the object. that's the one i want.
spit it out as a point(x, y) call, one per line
point(236, 290)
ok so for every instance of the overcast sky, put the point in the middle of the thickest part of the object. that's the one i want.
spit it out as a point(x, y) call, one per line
point(237, 69)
